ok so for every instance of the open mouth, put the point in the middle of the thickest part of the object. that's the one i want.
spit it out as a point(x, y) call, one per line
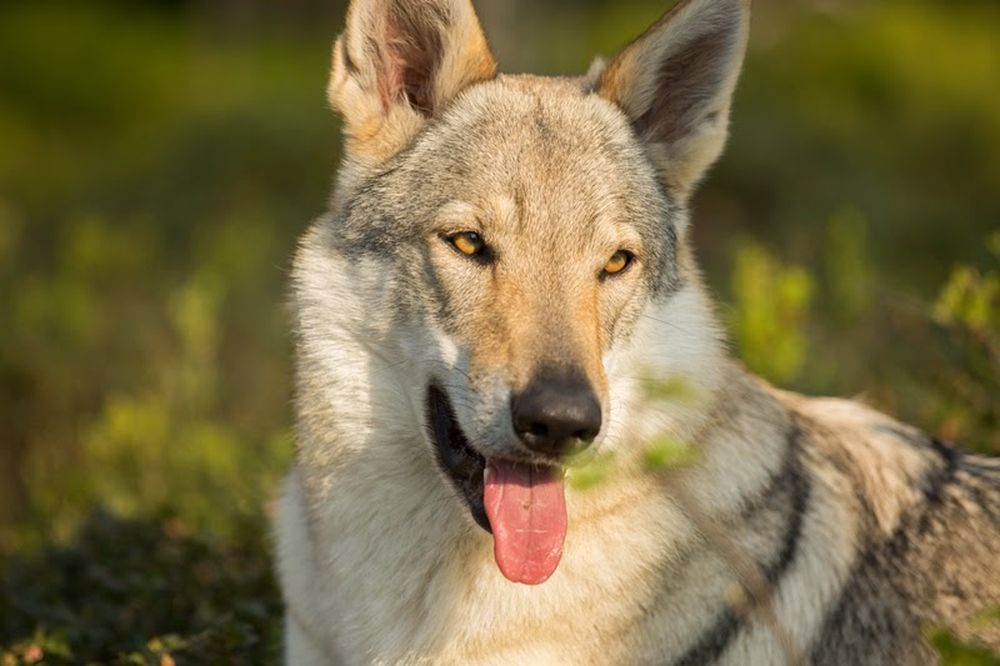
point(523, 505)
point(459, 460)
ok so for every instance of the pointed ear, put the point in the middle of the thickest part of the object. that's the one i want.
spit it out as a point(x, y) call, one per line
point(398, 63)
point(675, 83)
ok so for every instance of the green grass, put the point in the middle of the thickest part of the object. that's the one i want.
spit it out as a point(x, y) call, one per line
point(140, 592)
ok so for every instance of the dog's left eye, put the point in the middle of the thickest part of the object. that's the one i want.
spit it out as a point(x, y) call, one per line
point(618, 262)
point(468, 243)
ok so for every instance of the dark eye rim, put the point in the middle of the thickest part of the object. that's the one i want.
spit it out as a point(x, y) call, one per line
point(484, 255)
point(630, 260)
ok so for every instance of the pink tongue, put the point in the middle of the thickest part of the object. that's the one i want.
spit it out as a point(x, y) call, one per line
point(527, 512)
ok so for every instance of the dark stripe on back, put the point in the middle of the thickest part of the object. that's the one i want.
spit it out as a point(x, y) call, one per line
point(778, 483)
point(793, 479)
point(875, 553)
point(935, 482)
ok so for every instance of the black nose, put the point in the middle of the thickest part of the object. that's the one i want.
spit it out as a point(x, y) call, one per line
point(557, 416)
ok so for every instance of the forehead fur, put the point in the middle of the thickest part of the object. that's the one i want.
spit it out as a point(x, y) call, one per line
point(564, 157)
point(529, 132)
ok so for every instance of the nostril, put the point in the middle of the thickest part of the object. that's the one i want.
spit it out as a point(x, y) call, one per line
point(538, 430)
point(585, 435)
point(524, 425)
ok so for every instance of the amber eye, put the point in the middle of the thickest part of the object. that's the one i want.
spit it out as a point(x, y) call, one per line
point(468, 243)
point(618, 262)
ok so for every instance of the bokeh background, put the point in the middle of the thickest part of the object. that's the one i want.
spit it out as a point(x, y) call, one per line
point(158, 159)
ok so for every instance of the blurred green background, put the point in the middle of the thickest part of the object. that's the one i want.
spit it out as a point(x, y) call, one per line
point(158, 159)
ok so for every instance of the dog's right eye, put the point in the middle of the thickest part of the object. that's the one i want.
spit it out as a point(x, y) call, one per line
point(468, 243)
point(618, 263)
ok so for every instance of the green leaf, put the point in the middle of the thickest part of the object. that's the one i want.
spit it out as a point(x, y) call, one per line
point(667, 454)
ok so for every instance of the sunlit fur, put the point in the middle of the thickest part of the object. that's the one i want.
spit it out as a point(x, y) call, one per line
point(859, 530)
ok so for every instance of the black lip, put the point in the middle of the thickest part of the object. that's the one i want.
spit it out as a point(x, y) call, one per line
point(459, 461)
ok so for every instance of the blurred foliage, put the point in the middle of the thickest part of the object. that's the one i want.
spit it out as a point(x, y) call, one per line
point(591, 473)
point(769, 310)
point(145, 593)
point(158, 160)
point(667, 454)
point(969, 309)
point(955, 652)
point(152, 182)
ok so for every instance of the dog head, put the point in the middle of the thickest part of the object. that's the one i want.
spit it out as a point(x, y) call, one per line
point(524, 231)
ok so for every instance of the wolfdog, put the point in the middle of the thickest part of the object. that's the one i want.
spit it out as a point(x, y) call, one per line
point(520, 438)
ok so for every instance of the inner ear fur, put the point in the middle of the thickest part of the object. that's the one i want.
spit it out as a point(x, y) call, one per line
point(400, 62)
point(675, 83)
